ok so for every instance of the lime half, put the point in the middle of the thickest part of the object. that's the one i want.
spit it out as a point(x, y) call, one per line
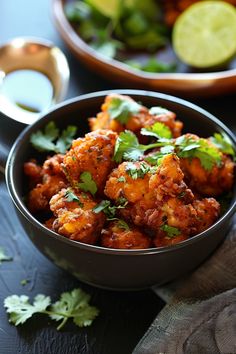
point(204, 35)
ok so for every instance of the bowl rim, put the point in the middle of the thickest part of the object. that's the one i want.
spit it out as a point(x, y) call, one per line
point(17, 200)
point(78, 45)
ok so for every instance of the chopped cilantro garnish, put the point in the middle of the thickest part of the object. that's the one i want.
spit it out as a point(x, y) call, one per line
point(223, 142)
point(71, 197)
point(189, 148)
point(121, 109)
point(110, 210)
point(158, 130)
point(74, 304)
point(170, 230)
point(3, 256)
point(87, 183)
point(50, 140)
point(139, 171)
point(128, 148)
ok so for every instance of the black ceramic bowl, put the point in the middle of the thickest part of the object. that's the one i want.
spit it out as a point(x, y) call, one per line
point(111, 268)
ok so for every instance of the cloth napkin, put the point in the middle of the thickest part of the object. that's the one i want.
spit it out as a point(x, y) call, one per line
point(200, 314)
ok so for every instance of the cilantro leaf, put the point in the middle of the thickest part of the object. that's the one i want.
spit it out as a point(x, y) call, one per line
point(110, 210)
point(128, 148)
point(87, 184)
point(71, 197)
point(45, 140)
point(139, 171)
point(21, 310)
point(64, 141)
point(3, 256)
point(74, 304)
point(223, 142)
point(190, 148)
point(122, 109)
point(158, 130)
point(170, 230)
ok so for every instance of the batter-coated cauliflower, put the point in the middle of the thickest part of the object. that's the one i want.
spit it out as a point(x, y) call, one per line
point(137, 118)
point(75, 217)
point(92, 154)
point(115, 236)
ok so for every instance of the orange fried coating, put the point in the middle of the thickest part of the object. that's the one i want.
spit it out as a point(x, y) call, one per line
point(136, 121)
point(34, 172)
point(93, 154)
point(114, 236)
point(158, 198)
point(162, 240)
point(214, 182)
point(52, 180)
point(75, 218)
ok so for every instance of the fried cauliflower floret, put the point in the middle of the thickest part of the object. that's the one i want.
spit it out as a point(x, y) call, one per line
point(158, 197)
point(139, 182)
point(138, 117)
point(115, 236)
point(75, 218)
point(93, 154)
point(213, 182)
point(208, 211)
point(34, 172)
point(51, 180)
point(53, 165)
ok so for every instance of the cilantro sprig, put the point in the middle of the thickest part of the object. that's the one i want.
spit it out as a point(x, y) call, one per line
point(50, 139)
point(111, 211)
point(74, 305)
point(121, 109)
point(128, 148)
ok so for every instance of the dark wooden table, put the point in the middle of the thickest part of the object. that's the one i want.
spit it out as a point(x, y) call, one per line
point(124, 317)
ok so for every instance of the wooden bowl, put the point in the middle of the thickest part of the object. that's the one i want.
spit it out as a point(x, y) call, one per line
point(185, 83)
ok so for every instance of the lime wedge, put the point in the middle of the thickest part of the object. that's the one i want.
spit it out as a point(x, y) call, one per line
point(204, 35)
point(109, 8)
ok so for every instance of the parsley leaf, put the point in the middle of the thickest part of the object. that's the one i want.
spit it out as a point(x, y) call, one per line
point(71, 197)
point(74, 304)
point(170, 230)
point(3, 256)
point(223, 142)
point(122, 109)
point(158, 130)
point(45, 140)
point(87, 184)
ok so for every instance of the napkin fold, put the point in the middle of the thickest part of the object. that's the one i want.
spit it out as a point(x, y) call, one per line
point(200, 315)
